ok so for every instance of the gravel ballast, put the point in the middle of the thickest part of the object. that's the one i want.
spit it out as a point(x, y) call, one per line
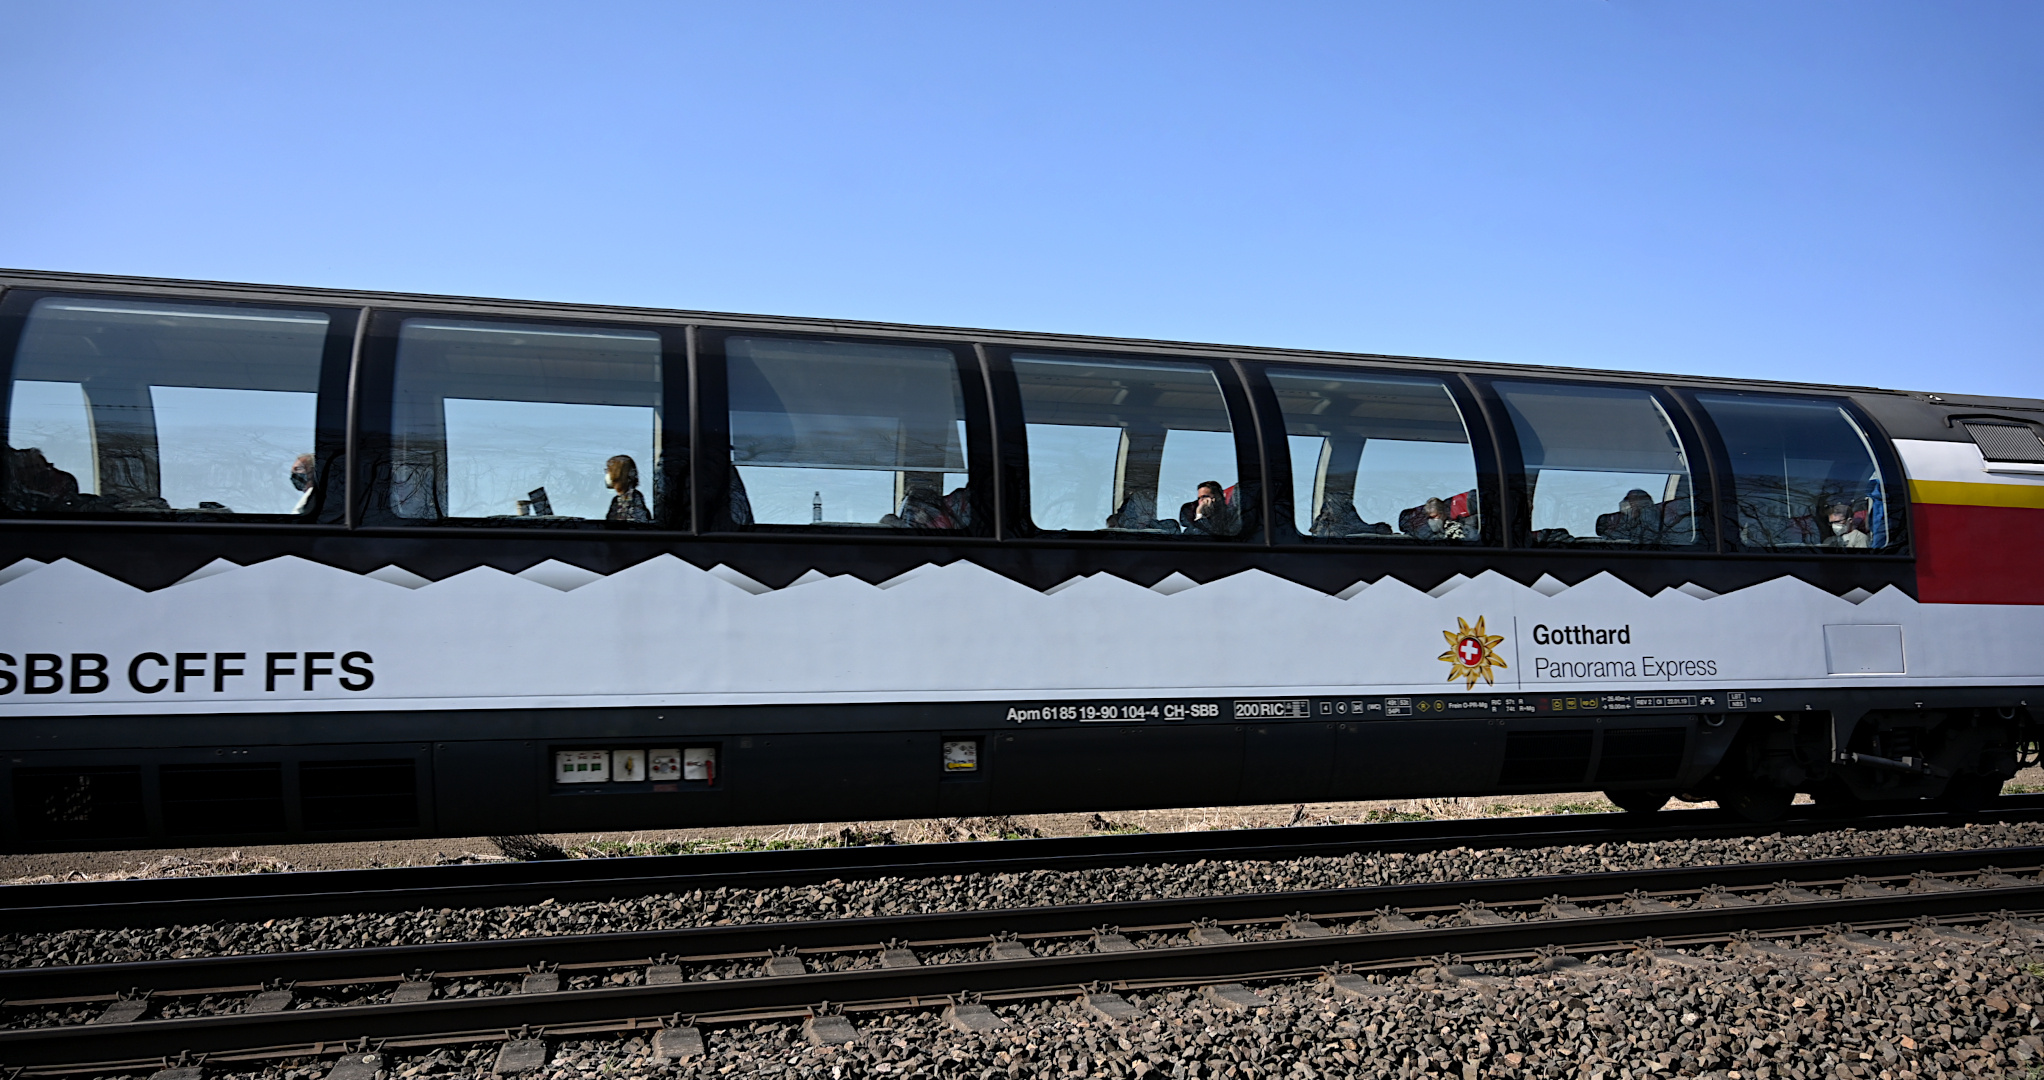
point(1901, 1007)
point(896, 896)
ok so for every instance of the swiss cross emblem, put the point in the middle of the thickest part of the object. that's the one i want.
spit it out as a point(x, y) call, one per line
point(1472, 653)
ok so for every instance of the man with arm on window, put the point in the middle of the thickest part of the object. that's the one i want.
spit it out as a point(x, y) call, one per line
point(1209, 512)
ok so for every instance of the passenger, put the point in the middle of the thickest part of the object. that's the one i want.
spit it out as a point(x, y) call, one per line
point(958, 505)
point(1437, 525)
point(1636, 520)
point(1209, 512)
point(302, 479)
point(1845, 529)
point(35, 484)
point(1337, 517)
point(926, 510)
point(621, 474)
point(919, 509)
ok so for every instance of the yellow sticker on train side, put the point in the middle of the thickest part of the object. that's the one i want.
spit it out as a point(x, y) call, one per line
point(1959, 493)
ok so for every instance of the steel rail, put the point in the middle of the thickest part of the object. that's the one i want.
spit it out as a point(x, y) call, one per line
point(654, 1024)
point(252, 897)
point(384, 963)
point(657, 1023)
point(1035, 975)
point(210, 1034)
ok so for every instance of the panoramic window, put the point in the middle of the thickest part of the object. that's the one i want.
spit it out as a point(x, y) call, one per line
point(517, 423)
point(1803, 474)
point(1603, 465)
point(127, 406)
point(1377, 457)
point(1129, 446)
point(834, 433)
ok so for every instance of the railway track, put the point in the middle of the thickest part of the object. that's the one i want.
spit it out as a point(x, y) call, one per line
point(671, 984)
point(256, 897)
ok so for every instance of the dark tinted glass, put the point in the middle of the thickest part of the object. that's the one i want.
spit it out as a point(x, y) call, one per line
point(161, 408)
point(834, 433)
point(515, 423)
point(1129, 446)
point(1603, 465)
point(1803, 473)
point(1377, 457)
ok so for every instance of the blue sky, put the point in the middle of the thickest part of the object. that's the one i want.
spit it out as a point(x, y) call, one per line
point(1834, 192)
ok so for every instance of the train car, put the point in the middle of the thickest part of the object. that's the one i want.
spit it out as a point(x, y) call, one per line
point(303, 563)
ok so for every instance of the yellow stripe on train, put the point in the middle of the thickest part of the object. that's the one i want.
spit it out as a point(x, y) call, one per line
point(1955, 493)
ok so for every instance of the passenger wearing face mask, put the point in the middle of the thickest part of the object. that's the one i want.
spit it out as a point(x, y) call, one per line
point(621, 474)
point(301, 478)
point(1437, 524)
point(1845, 529)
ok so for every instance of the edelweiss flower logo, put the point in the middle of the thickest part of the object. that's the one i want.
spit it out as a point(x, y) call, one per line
point(1471, 653)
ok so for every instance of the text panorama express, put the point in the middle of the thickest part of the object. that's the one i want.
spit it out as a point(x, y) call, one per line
point(194, 672)
point(1647, 667)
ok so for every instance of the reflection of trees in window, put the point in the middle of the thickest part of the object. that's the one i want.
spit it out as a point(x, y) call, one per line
point(846, 433)
point(1786, 511)
point(246, 470)
point(498, 452)
point(1377, 457)
point(170, 406)
point(231, 447)
point(1798, 464)
point(483, 414)
point(1071, 478)
point(1603, 464)
point(50, 419)
point(1134, 439)
point(415, 482)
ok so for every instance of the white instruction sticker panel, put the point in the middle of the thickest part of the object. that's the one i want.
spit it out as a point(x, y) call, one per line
point(582, 766)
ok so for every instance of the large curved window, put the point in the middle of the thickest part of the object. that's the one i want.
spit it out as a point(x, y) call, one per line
point(1131, 446)
point(1603, 466)
point(837, 433)
point(526, 424)
point(1377, 457)
point(144, 407)
point(1803, 474)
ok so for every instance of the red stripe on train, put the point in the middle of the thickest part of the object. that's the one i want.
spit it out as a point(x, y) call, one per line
point(1978, 554)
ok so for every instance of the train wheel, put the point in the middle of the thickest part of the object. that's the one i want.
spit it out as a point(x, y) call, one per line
point(1758, 804)
point(1638, 802)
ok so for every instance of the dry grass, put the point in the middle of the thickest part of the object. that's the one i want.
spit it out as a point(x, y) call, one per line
point(172, 866)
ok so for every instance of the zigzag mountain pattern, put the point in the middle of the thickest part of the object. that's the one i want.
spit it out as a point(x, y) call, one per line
point(667, 632)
